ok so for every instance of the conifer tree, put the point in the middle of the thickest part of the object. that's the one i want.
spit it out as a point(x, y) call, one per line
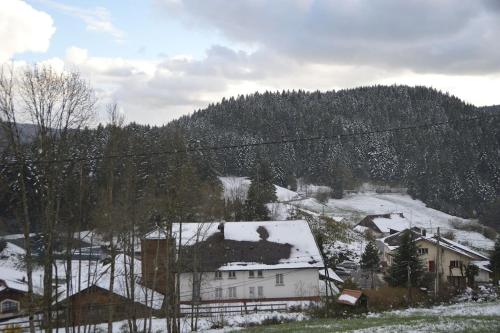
point(406, 263)
point(370, 260)
point(260, 192)
point(495, 261)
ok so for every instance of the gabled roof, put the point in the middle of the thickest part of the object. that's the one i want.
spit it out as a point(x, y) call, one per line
point(483, 265)
point(331, 275)
point(393, 241)
point(455, 247)
point(97, 274)
point(384, 223)
point(247, 245)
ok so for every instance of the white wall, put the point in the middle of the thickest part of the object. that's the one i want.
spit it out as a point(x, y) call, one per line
point(296, 283)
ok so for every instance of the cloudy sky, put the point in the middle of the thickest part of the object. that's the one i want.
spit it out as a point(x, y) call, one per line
point(160, 59)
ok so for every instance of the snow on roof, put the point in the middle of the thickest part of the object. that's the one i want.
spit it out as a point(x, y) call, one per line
point(331, 274)
point(11, 273)
point(464, 248)
point(97, 274)
point(482, 265)
point(349, 297)
point(14, 279)
point(304, 252)
point(394, 222)
point(361, 229)
point(455, 247)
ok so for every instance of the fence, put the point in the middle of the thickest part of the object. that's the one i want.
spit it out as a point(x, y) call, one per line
point(210, 310)
point(18, 327)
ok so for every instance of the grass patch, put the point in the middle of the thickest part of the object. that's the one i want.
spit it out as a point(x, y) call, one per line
point(476, 324)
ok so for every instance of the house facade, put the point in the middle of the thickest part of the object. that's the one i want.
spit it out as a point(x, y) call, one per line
point(250, 285)
point(12, 301)
point(94, 300)
point(241, 261)
point(451, 263)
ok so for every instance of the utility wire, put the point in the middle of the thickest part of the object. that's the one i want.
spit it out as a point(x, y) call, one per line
point(258, 144)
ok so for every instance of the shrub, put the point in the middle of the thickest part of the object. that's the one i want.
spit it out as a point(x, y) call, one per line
point(487, 232)
point(3, 245)
point(387, 298)
point(323, 196)
point(449, 234)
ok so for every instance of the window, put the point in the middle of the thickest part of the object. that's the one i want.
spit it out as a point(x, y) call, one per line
point(259, 274)
point(232, 292)
point(423, 250)
point(10, 306)
point(251, 292)
point(251, 274)
point(279, 279)
point(232, 275)
point(218, 275)
point(432, 266)
point(218, 293)
point(260, 291)
point(455, 263)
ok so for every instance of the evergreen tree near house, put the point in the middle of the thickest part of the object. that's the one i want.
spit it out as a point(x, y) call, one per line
point(370, 260)
point(260, 192)
point(495, 261)
point(470, 272)
point(406, 263)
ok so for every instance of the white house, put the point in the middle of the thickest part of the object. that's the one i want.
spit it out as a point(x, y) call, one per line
point(248, 261)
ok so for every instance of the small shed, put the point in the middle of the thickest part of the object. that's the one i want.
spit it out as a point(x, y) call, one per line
point(355, 298)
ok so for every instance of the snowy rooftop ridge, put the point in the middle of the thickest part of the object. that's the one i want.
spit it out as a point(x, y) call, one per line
point(296, 235)
point(97, 274)
point(394, 221)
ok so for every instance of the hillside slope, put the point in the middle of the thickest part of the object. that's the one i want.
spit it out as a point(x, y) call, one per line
point(454, 167)
point(354, 207)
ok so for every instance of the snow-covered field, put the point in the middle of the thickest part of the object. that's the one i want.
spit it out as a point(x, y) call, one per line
point(354, 207)
point(467, 317)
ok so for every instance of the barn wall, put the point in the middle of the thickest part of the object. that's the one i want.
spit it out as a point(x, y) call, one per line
point(92, 306)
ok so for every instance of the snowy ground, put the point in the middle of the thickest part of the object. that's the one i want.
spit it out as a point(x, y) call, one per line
point(158, 325)
point(468, 317)
point(354, 207)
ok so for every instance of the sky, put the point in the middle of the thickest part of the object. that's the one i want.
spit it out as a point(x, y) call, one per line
point(161, 59)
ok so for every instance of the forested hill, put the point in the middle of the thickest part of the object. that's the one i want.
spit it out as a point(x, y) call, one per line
point(453, 167)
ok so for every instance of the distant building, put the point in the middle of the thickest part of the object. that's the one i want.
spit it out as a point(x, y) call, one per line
point(13, 295)
point(383, 224)
point(240, 261)
point(453, 259)
point(90, 303)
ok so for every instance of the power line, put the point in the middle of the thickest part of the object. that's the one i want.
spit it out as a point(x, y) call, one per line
point(258, 144)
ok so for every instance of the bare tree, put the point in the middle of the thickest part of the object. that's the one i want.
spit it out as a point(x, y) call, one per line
point(11, 132)
point(57, 104)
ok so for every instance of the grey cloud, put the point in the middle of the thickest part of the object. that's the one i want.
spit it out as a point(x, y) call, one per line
point(446, 36)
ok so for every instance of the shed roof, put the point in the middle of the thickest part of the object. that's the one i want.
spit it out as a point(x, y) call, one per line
point(349, 297)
